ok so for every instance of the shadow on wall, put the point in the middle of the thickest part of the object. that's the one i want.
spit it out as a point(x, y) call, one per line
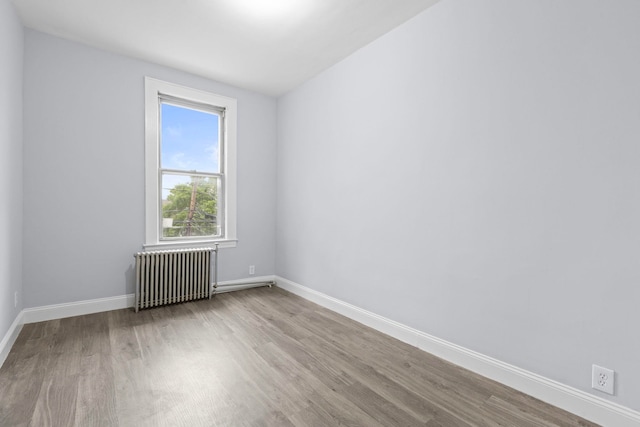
point(130, 280)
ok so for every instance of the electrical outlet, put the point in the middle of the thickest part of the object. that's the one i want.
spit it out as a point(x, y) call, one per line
point(602, 379)
point(15, 299)
point(252, 270)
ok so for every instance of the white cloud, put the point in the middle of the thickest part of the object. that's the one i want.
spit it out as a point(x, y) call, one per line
point(178, 162)
point(173, 131)
point(214, 151)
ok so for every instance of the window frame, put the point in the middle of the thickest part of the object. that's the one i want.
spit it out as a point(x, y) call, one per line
point(155, 90)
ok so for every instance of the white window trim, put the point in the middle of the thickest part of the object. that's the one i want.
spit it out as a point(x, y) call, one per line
point(153, 88)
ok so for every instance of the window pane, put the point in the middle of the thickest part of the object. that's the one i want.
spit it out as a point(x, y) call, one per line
point(190, 139)
point(189, 205)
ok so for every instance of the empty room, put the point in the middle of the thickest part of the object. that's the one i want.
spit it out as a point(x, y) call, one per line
point(320, 212)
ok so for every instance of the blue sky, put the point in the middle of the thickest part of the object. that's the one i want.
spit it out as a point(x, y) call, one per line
point(189, 141)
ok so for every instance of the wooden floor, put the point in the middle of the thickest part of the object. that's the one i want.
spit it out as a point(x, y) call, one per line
point(261, 357)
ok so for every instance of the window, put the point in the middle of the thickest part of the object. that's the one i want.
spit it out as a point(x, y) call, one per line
point(189, 167)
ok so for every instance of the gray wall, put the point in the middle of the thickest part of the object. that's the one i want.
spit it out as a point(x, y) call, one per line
point(474, 174)
point(11, 47)
point(84, 172)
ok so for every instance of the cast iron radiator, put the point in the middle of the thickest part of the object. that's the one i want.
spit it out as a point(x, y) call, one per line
point(168, 277)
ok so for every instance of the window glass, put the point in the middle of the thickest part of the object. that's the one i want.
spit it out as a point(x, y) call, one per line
point(189, 205)
point(190, 139)
point(190, 171)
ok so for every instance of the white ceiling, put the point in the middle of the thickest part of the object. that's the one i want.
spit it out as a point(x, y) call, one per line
point(270, 46)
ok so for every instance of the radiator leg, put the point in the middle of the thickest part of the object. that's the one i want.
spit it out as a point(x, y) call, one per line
point(137, 303)
point(215, 271)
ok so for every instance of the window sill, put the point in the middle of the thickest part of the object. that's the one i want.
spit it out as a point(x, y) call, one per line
point(194, 244)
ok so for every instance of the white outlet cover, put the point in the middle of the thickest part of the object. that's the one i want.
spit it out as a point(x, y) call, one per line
point(602, 379)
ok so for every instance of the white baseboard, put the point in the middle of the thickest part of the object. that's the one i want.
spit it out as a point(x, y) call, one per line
point(78, 308)
point(593, 408)
point(10, 338)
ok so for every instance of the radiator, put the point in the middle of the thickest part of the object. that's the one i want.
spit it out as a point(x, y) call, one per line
point(169, 277)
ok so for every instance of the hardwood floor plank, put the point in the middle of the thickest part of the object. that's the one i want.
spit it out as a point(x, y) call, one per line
point(507, 411)
point(56, 403)
point(383, 386)
point(20, 384)
point(96, 401)
point(445, 419)
point(261, 357)
point(378, 407)
point(327, 410)
point(274, 386)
